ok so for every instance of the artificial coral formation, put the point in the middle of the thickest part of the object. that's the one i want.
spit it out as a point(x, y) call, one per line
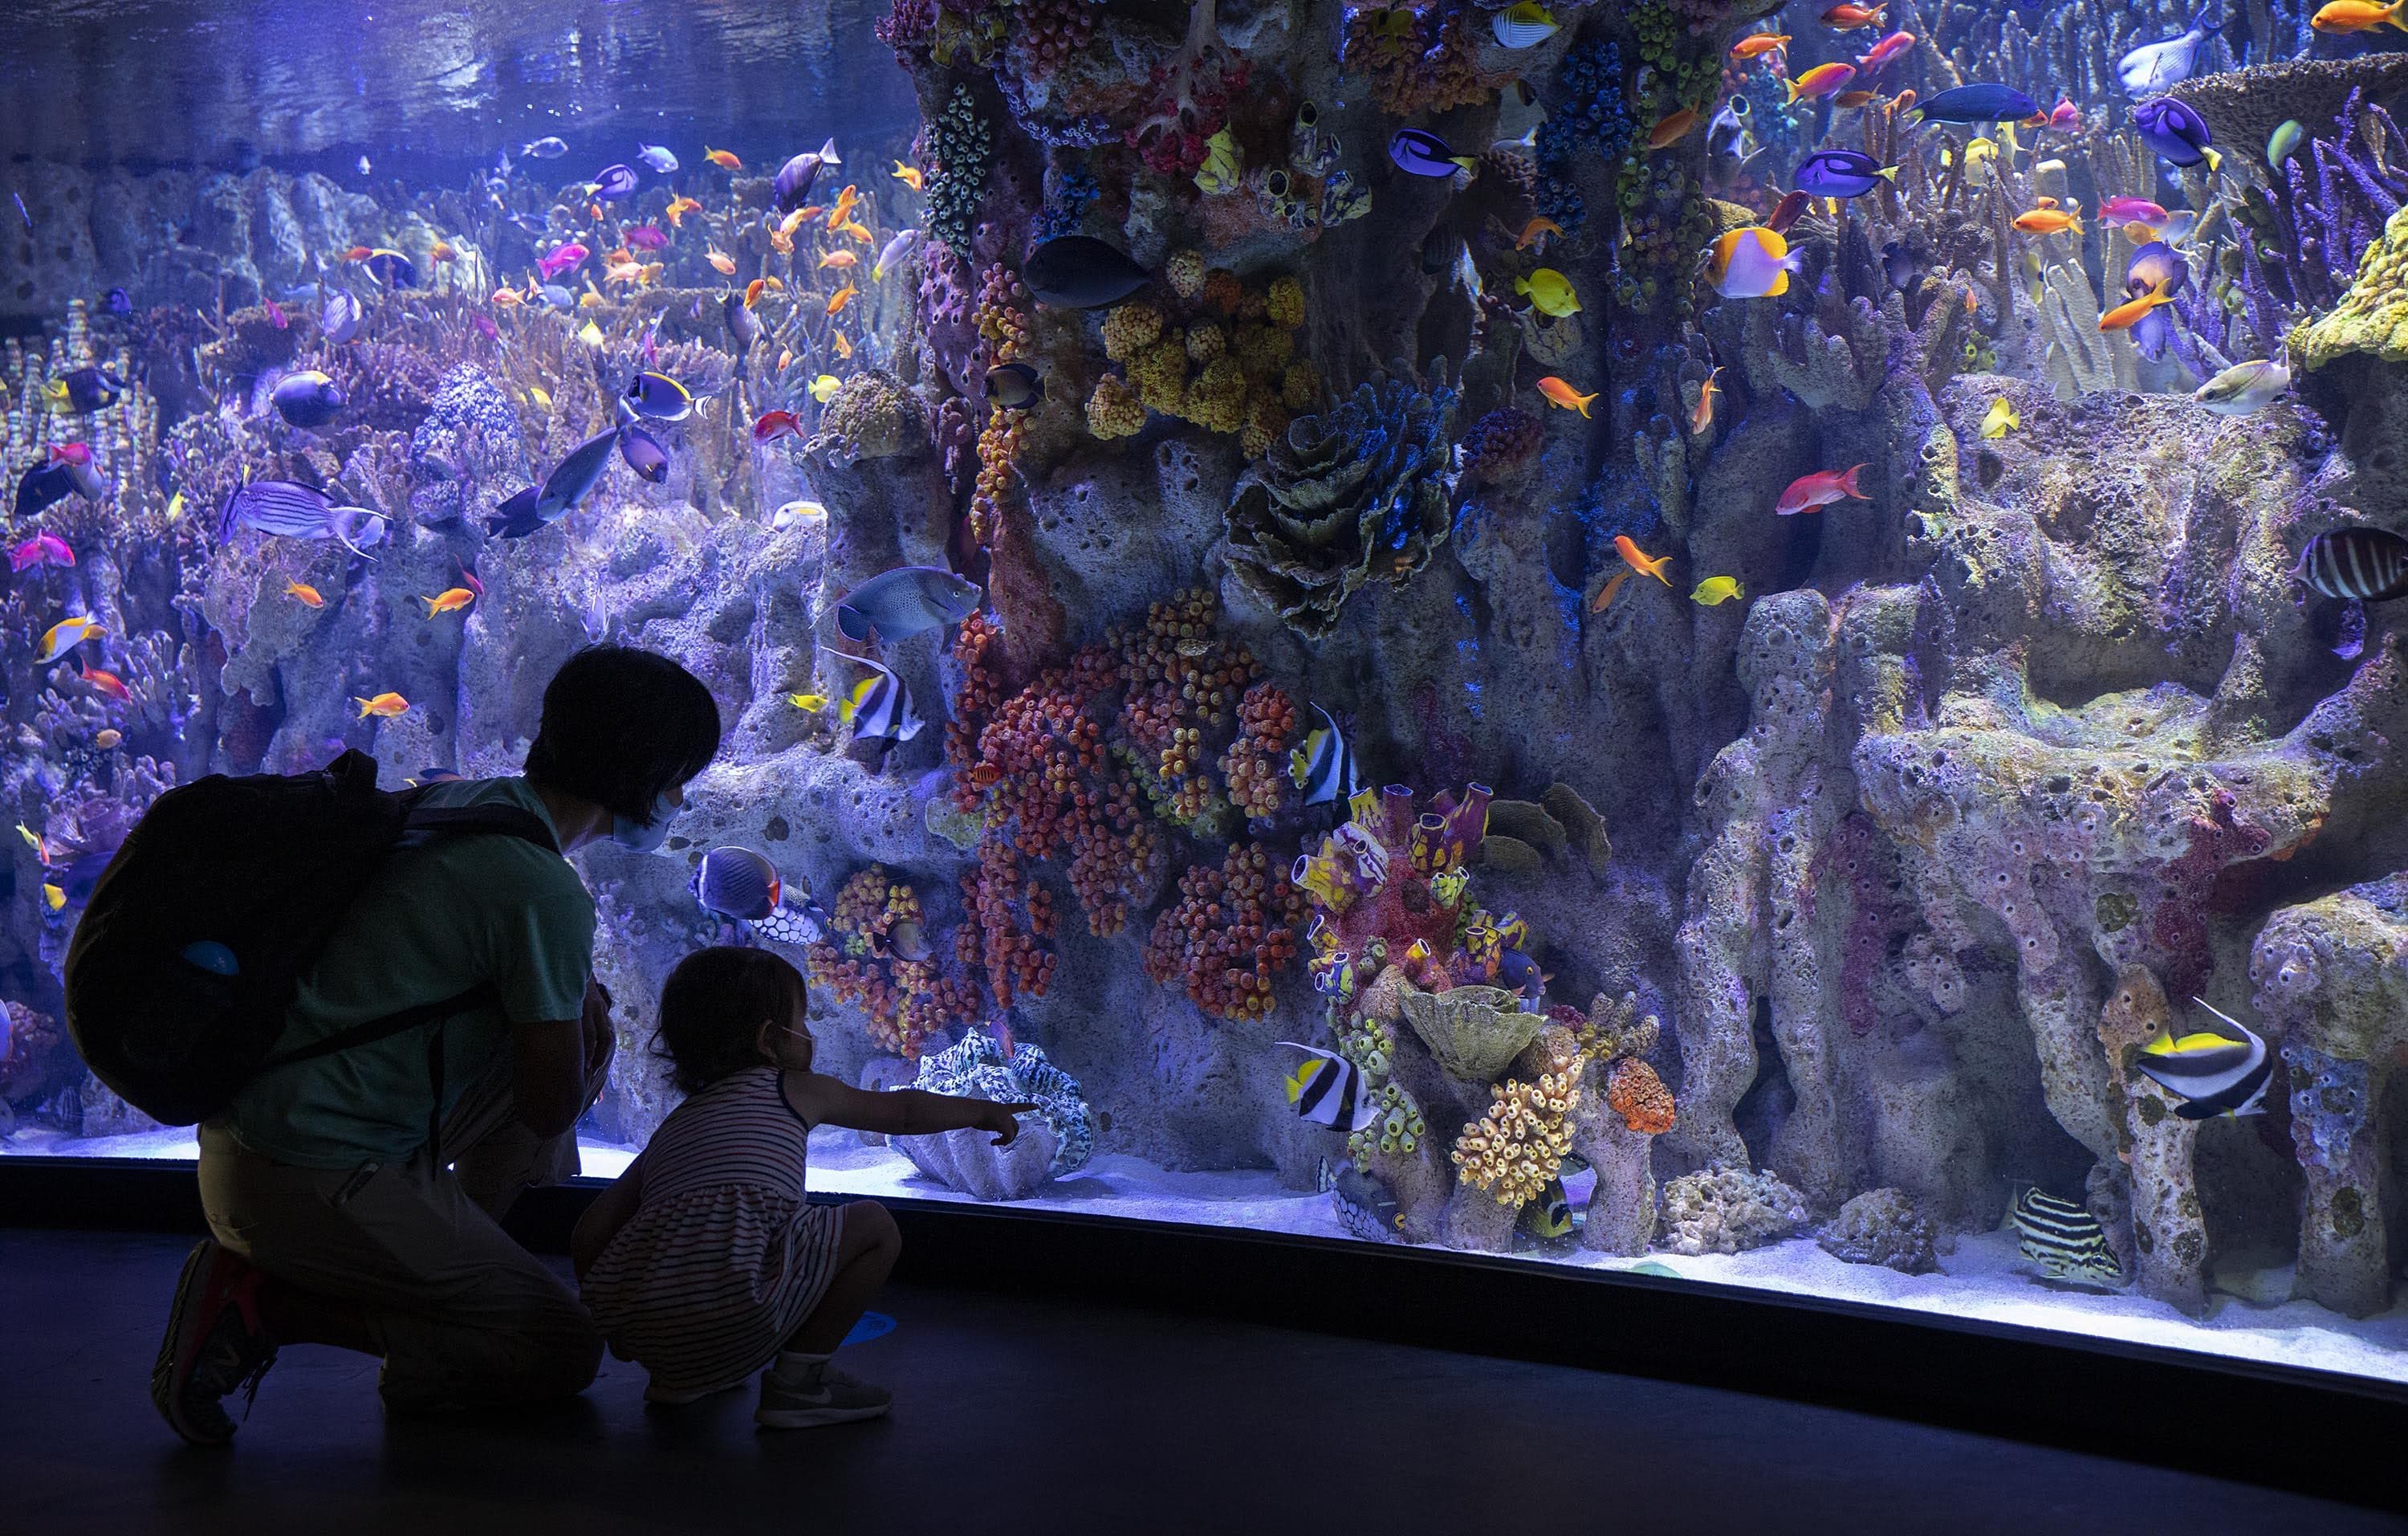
point(1520, 1145)
point(879, 958)
point(1230, 935)
point(1230, 366)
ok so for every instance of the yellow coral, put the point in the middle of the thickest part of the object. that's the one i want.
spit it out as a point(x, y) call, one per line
point(1284, 302)
point(1265, 349)
point(1216, 398)
point(1114, 410)
point(1206, 342)
point(1300, 385)
point(1184, 272)
point(1520, 1143)
point(1266, 419)
point(1160, 374)
point(1130, 330)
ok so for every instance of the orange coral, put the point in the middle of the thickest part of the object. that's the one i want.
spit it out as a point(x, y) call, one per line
point(1634, 1092)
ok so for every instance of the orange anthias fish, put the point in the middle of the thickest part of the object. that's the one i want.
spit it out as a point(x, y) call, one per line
point(441, 252)
point(1815, 492)
point(1606, 594)
point(108, 684)
point(1824, 79)
point(358, 253)
point(509, 298)
point(2049, 218)
point(781, 242)
point(753, 291)
point(303, 593)
point(843, 348)
point(1884, 51)
point(1849, 101)
point(1560, 393)
point(722, 159)
point(451, 602)
point(839, 259)
point(679, 208)
point(384, 706)
point(853, 227)
point(842, 297)
point(721, 263)
point(1756, 44)
point(2343, 17)
point(844, 201)
point(2126, 315)
point(794, 221)
point(1534, 229)
point(1702, 419)
point(1672, 128)
point(1639, 560)
point(908, 175)
point(1848, 18)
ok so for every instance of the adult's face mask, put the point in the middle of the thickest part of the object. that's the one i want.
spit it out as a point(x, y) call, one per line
point(645, 836)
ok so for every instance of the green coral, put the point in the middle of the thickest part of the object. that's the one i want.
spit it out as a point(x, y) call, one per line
point(2373, 317)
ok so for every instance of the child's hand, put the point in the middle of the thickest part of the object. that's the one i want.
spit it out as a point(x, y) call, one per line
point(1002, 1120)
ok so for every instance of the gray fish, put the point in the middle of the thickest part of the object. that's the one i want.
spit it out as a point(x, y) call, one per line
point(548, 147)
point(879, 708)
point(557, 296)
point(1364, 1206)
point(1014, 386)
point(1081, 272)
point(2065, 1240)
point(898, 249)
point(308, 399)
point(896, 604)
point(576, 475)
point(515, 518)
point(340, 319)
point(657, 158)
point(644, 454)
point(793, 183)
point(743, 325)
point(2156, 67)
point(289, 509)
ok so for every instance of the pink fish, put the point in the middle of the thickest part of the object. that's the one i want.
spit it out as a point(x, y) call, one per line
point(1884, 51)
point(645, 238)
point(74, 453)
point(276, 315)
point(484, 323)
point(566, 259)
point(1815, 492)
point(2065, 117)
point(43, 549)
point(2133, 210)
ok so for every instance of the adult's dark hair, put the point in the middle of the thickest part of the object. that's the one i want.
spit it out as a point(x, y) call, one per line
point(623, 727)
point(711, 1008)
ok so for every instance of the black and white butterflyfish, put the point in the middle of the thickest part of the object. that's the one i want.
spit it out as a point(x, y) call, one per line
point(1361, 1203)
point(2064, 1239)
point(2368, 564)
point(879, 708)
point(2210, 1074)
point(1324, 768)
point(1327, 1089)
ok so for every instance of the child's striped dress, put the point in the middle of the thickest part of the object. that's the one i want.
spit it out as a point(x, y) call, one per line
point(724, 1258)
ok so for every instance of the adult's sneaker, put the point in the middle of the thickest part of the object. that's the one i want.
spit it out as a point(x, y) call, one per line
point(215, 1344)
point(826, 1396)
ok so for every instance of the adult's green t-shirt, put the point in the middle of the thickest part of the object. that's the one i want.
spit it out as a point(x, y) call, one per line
point(437, 920)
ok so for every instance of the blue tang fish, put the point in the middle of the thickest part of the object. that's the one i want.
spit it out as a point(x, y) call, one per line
point(1841, 173)
point(2174, 132)
point(1984, 101)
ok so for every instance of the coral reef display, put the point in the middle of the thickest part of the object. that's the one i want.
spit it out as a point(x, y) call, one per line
point(1564, 635)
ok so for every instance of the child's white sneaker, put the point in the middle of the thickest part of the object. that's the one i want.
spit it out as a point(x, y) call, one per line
point(803, 1397)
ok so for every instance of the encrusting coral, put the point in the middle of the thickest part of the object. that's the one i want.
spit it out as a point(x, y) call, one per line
point(878, 956)
point(1723, 1210)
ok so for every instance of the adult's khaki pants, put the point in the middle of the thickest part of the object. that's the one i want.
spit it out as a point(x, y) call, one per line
point(463, 1316)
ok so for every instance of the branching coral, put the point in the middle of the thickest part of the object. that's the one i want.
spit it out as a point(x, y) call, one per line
point(1356, 493)
point(1231, 933)
point(877, 957)
point(1192, 96)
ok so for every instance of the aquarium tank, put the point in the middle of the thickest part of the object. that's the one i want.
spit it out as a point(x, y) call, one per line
point(1757, 644)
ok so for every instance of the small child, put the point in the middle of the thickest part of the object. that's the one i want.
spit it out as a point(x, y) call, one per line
point(705, 1261)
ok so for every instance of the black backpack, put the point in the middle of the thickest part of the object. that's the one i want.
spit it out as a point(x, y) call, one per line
point(200, 929)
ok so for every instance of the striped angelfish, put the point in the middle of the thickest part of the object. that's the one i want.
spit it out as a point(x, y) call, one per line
point(2367, 564)
point(2065, 1240)
point(1327, 1090)
point(879, 708)
point(1324, 768)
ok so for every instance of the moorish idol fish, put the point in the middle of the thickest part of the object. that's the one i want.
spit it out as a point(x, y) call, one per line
point(2211, 1074)
point(1327, 1090)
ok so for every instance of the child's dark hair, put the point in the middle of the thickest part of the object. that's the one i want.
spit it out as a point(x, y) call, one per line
point(711, 1008)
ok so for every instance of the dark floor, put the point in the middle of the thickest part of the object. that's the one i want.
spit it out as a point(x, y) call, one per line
point(1012, 1416)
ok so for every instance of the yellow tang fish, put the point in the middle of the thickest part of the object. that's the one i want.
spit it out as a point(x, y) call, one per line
point(53, 896)
point(541, 397)
point(1550, 292)
point(175, 507)
point(824, 388)
point(592, 335)
point(2001, 419)
point(808, 703)
point(1716, 589)
point(385, 706)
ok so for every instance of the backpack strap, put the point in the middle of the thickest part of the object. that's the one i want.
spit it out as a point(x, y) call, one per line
point(500, 820)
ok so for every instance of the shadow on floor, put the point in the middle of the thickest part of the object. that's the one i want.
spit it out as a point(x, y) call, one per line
point(1013, 1415)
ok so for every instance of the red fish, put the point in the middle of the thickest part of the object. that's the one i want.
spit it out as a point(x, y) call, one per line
point(645, 238)
point(2065, 117)
point(775, 425)
point(276, 315)
point(1785, 213)
point(2133, 210)
point(43, 549)
point(1815, 492)
point(567, 258)
point(108, 684)
point(1884, 51)
point(74, 453)
point(1848, 18)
